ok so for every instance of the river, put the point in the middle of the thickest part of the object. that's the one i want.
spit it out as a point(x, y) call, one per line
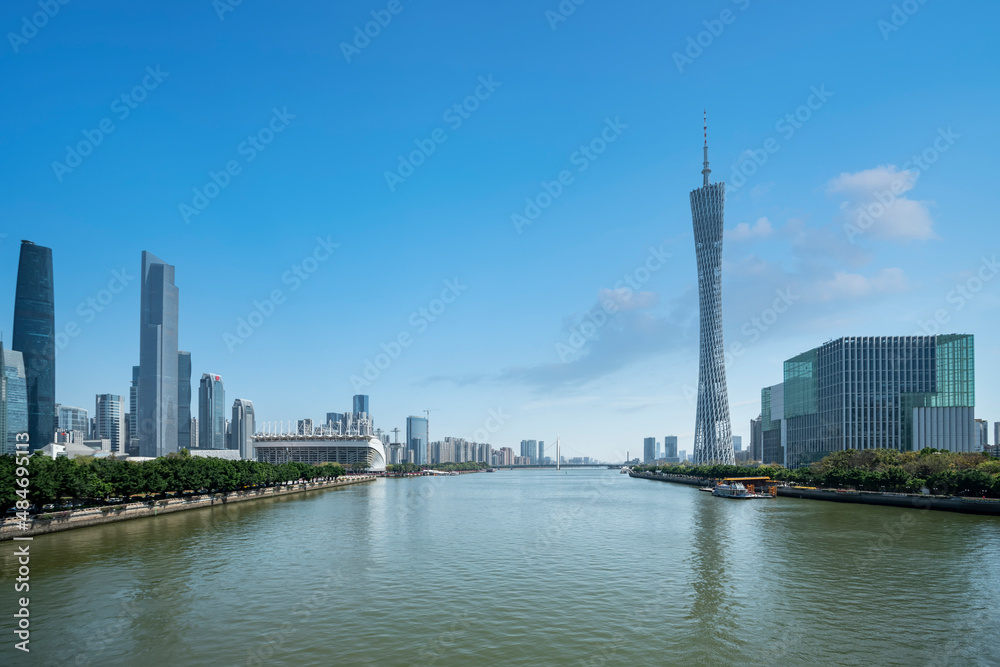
point(579, 567)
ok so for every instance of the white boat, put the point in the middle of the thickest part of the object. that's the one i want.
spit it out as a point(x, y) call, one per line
point(734, 490)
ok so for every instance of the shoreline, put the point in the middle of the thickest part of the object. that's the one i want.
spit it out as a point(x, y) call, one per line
point(878, 498)
point(96, 516)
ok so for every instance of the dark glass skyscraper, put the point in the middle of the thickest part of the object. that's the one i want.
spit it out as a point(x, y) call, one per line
point(13, 400)
point(157, 421)
point(183, 400)
point(35, 338)
point(211, 413)
point(361, 404)
point(416, 439)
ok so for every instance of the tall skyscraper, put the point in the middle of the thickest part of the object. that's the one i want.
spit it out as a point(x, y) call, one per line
point(756, 439)
point(416, 439)
point(529, 450)
point(982, 434)
point(541, 452)
point(157, 414)
point(712, 432)
point(648, 450)
point(109, 423)
point(670, 446)
point(35, 338)
point(194, 433)
point(211, 412)
point(241, 428)
point(183, 400)
point(13, 399)
point(737, 443)
point(361, 404)
point(996, 434)
point(133, 413)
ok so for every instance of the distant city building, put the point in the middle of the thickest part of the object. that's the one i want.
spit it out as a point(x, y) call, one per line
point(889, 392)
point(158, 358)
point(982, 434)
point(109, 422)
point(416, 440)
point(670, 447)
point(648, 450)
point(540, 459)
point(241, 428)
point(505, 456)
point(13, 399)
point(683, 456)
point(361, 404)
point(34, 336)
point(335, 419)
point(194, 433)
point(305, 427)
point(69, 418)
point(133, 413)
point(737, 443)
point(529, 450)
point(756, 439)
point(183, 400)
point(996, 434)
point(211, 412)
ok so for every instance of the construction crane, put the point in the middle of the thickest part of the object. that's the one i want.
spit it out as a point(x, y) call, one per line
point(395, 433)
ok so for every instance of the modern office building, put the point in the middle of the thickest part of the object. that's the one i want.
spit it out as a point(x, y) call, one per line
point(361, 405)
point(305, 427)
point(335, 419)
point(529, 450)
point(133, 413)
point(996, 434)
point(13, 399)
point(158, 358)
point(712, 432)
point(648, 450)
point(241, 428)
point(737, 443)
point(34, 336)
point(73, 420)
point(756, 439)
point(540, 459)
point(416, 440)
point(194, 433)
point(109, 421)
point(183, 400)
point(211, 412)
point(982, 434)
point(891, 392)
point(670, 447)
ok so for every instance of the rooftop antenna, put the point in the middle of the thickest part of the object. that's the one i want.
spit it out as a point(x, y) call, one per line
point(706, 171)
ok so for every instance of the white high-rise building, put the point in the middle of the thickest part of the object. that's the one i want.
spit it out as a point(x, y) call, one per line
point(241, 428)
point(109, 421)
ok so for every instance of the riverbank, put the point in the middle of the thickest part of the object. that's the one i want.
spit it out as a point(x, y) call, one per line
point(885, 499)
point(94, 516)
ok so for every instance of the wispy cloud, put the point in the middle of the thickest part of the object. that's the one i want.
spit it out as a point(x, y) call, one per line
point(875, 202)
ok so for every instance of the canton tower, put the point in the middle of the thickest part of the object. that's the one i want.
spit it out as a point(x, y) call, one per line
point(713, 441)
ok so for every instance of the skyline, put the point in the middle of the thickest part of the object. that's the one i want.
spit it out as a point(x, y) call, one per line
point(312, 215)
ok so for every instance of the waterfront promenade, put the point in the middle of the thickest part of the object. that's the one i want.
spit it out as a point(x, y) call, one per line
point(92, 516)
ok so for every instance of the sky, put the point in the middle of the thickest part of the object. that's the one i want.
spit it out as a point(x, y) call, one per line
point(482, 209)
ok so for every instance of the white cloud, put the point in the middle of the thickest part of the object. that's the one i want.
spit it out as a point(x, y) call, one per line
point(846, 285)
point(759, 230)
point(876, 205)
point(625, 299)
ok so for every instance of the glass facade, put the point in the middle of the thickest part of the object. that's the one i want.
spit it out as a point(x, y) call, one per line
point(361, 404)
point(183, 400)
point(70, 418)
point(34, 336)
point(13, 400)
point(416, 439)
point(211, 413)
point(109, 422)
point(860, 392)
point(242, 428)
point(158, 392)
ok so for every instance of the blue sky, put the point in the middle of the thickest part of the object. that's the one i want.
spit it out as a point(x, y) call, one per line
point(309, 129)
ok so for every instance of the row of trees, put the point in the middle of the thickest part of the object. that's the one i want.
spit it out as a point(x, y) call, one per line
point(393, 468)
point(89, 479)
point(942, 472)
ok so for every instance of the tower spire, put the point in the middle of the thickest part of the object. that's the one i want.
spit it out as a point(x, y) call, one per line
point(706, 171)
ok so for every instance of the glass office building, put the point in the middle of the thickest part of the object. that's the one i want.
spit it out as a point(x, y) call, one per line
point(183, 400)
point(34, 336)
point(872, 392)
point(158, 358)
point(361, 404)
point(416, 440)
point(211, 413)
point(109, 421)
point(13, 400)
